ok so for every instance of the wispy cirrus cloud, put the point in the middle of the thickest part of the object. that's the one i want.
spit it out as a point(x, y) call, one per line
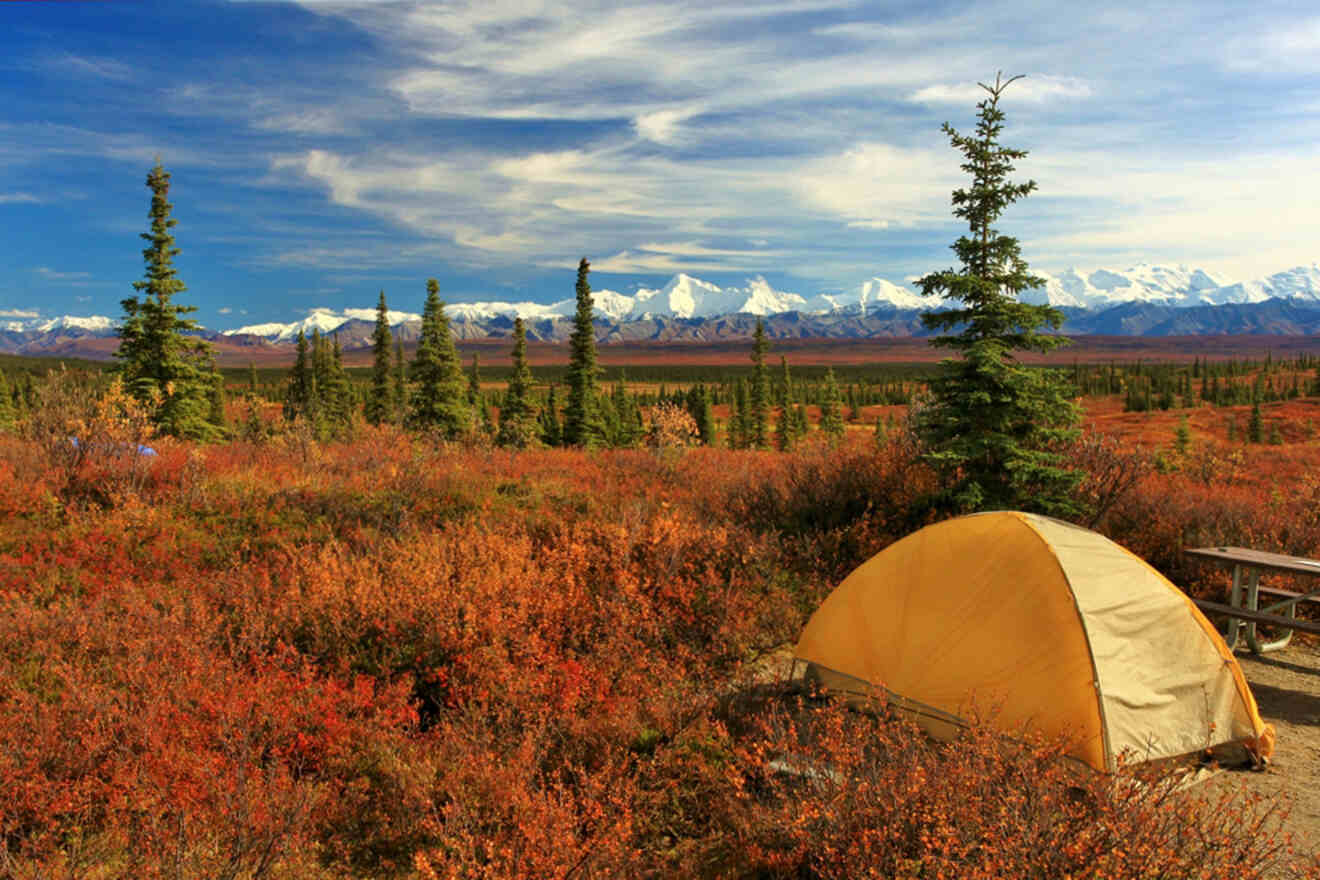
point(50, 274)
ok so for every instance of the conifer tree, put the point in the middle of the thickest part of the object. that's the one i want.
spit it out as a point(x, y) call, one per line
point(739, 416)
point(783, 430)
point(758, 421)
point(160, 364)
point(831, 419)
point(474, 381)
point(379, 403)
point(1255, 425)
point(582, 419)
point(7, 417)
point(800, 424)
point(551, 434)
point(517, 422)
point(252, 378)
point(698, 405)
point(215, 404)
point(783, 388)
point(628, 427)
point(994, 429)
point(339, 400)
point(440, 401)
point(298, 396)
point(399, 391)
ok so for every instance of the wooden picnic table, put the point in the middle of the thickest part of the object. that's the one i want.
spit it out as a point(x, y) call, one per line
point(1244, 611)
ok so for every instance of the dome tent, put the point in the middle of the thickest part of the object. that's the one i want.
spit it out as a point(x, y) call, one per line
point(1060, 630)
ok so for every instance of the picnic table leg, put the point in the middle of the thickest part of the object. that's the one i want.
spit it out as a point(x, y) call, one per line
point(1233, 625)
point(1253, 602)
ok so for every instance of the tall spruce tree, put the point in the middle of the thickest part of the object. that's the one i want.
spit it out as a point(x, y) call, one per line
point(440, 401)
point(758, 402)
point(380, 406)
point(739, 416)
point(831, 419)
point(698, 405)
point(994, 429)
point(399, 389)
point(783, 387)
point(583, 425)
point(298, 396)
point(551, 433)
point(7, 415)
point(161, 364)
point(518, 416)
point(474, 381)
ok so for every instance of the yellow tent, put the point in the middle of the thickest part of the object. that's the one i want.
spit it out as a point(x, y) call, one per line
point(1056, 628)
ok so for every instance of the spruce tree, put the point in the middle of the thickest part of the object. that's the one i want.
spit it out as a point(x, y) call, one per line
point(551, 433)
point(783, 430)
point(517, 417)
point(339, 398)
point(758, 421)
point(994, 429)
point(1255, 425)
point(379, 403)
point(162, 365)
point(582, 420)
point(7, 416)
point(783, 388)
point(474, 382)
point(252, 378)
point(399, 391)
point(298, 396)
point(698, 405)
point(831, 419)
point(215, 404)
point(739, 416)
point(800, 424)
point(440, 401)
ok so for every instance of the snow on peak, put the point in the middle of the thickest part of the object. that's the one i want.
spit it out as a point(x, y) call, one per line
point(872, 295)
point(1144, 282)
point(92, 324)
point(687, 297)
point(1299, 283)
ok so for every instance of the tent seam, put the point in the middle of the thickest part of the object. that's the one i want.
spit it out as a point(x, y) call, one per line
point(1025, 519)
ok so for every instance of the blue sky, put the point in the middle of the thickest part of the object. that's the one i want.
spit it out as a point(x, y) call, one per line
point(322, 151)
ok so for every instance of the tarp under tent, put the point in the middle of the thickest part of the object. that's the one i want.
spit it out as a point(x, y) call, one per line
point(1042, 626)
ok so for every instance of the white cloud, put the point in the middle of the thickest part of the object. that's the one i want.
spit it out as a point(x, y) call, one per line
point(1036, 89)
point(662, 126)
point(52, 275)
point(89, 65)
point(18, 198)
point(19, 313)
point(315, 120)
point(225, 310)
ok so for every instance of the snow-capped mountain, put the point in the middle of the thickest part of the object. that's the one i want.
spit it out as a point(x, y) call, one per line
point(1300, 283)
point(1172, 297)
point(325, 320)
point(89, 324)
point(688, 297)
point(1101, 288)
point(871, 295)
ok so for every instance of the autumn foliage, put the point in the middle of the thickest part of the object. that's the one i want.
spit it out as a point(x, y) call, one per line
point(390, 657)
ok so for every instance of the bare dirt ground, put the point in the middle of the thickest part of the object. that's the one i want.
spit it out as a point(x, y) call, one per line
point(1287, 688)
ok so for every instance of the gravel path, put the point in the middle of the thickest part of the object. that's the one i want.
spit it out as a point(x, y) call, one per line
point(1287, 688)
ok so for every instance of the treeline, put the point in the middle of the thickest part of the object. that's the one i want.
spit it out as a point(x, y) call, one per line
point(433, 393)
point(1163, 386)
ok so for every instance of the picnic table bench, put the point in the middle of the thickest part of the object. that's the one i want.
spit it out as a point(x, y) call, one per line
point(1243, 611)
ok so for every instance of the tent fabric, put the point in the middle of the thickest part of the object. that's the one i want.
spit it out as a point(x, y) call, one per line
point(1047, 626)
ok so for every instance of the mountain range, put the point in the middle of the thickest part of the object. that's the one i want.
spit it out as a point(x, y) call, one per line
point(1148, 300)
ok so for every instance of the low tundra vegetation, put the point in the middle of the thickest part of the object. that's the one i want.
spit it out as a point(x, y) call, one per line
point(390, 657)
